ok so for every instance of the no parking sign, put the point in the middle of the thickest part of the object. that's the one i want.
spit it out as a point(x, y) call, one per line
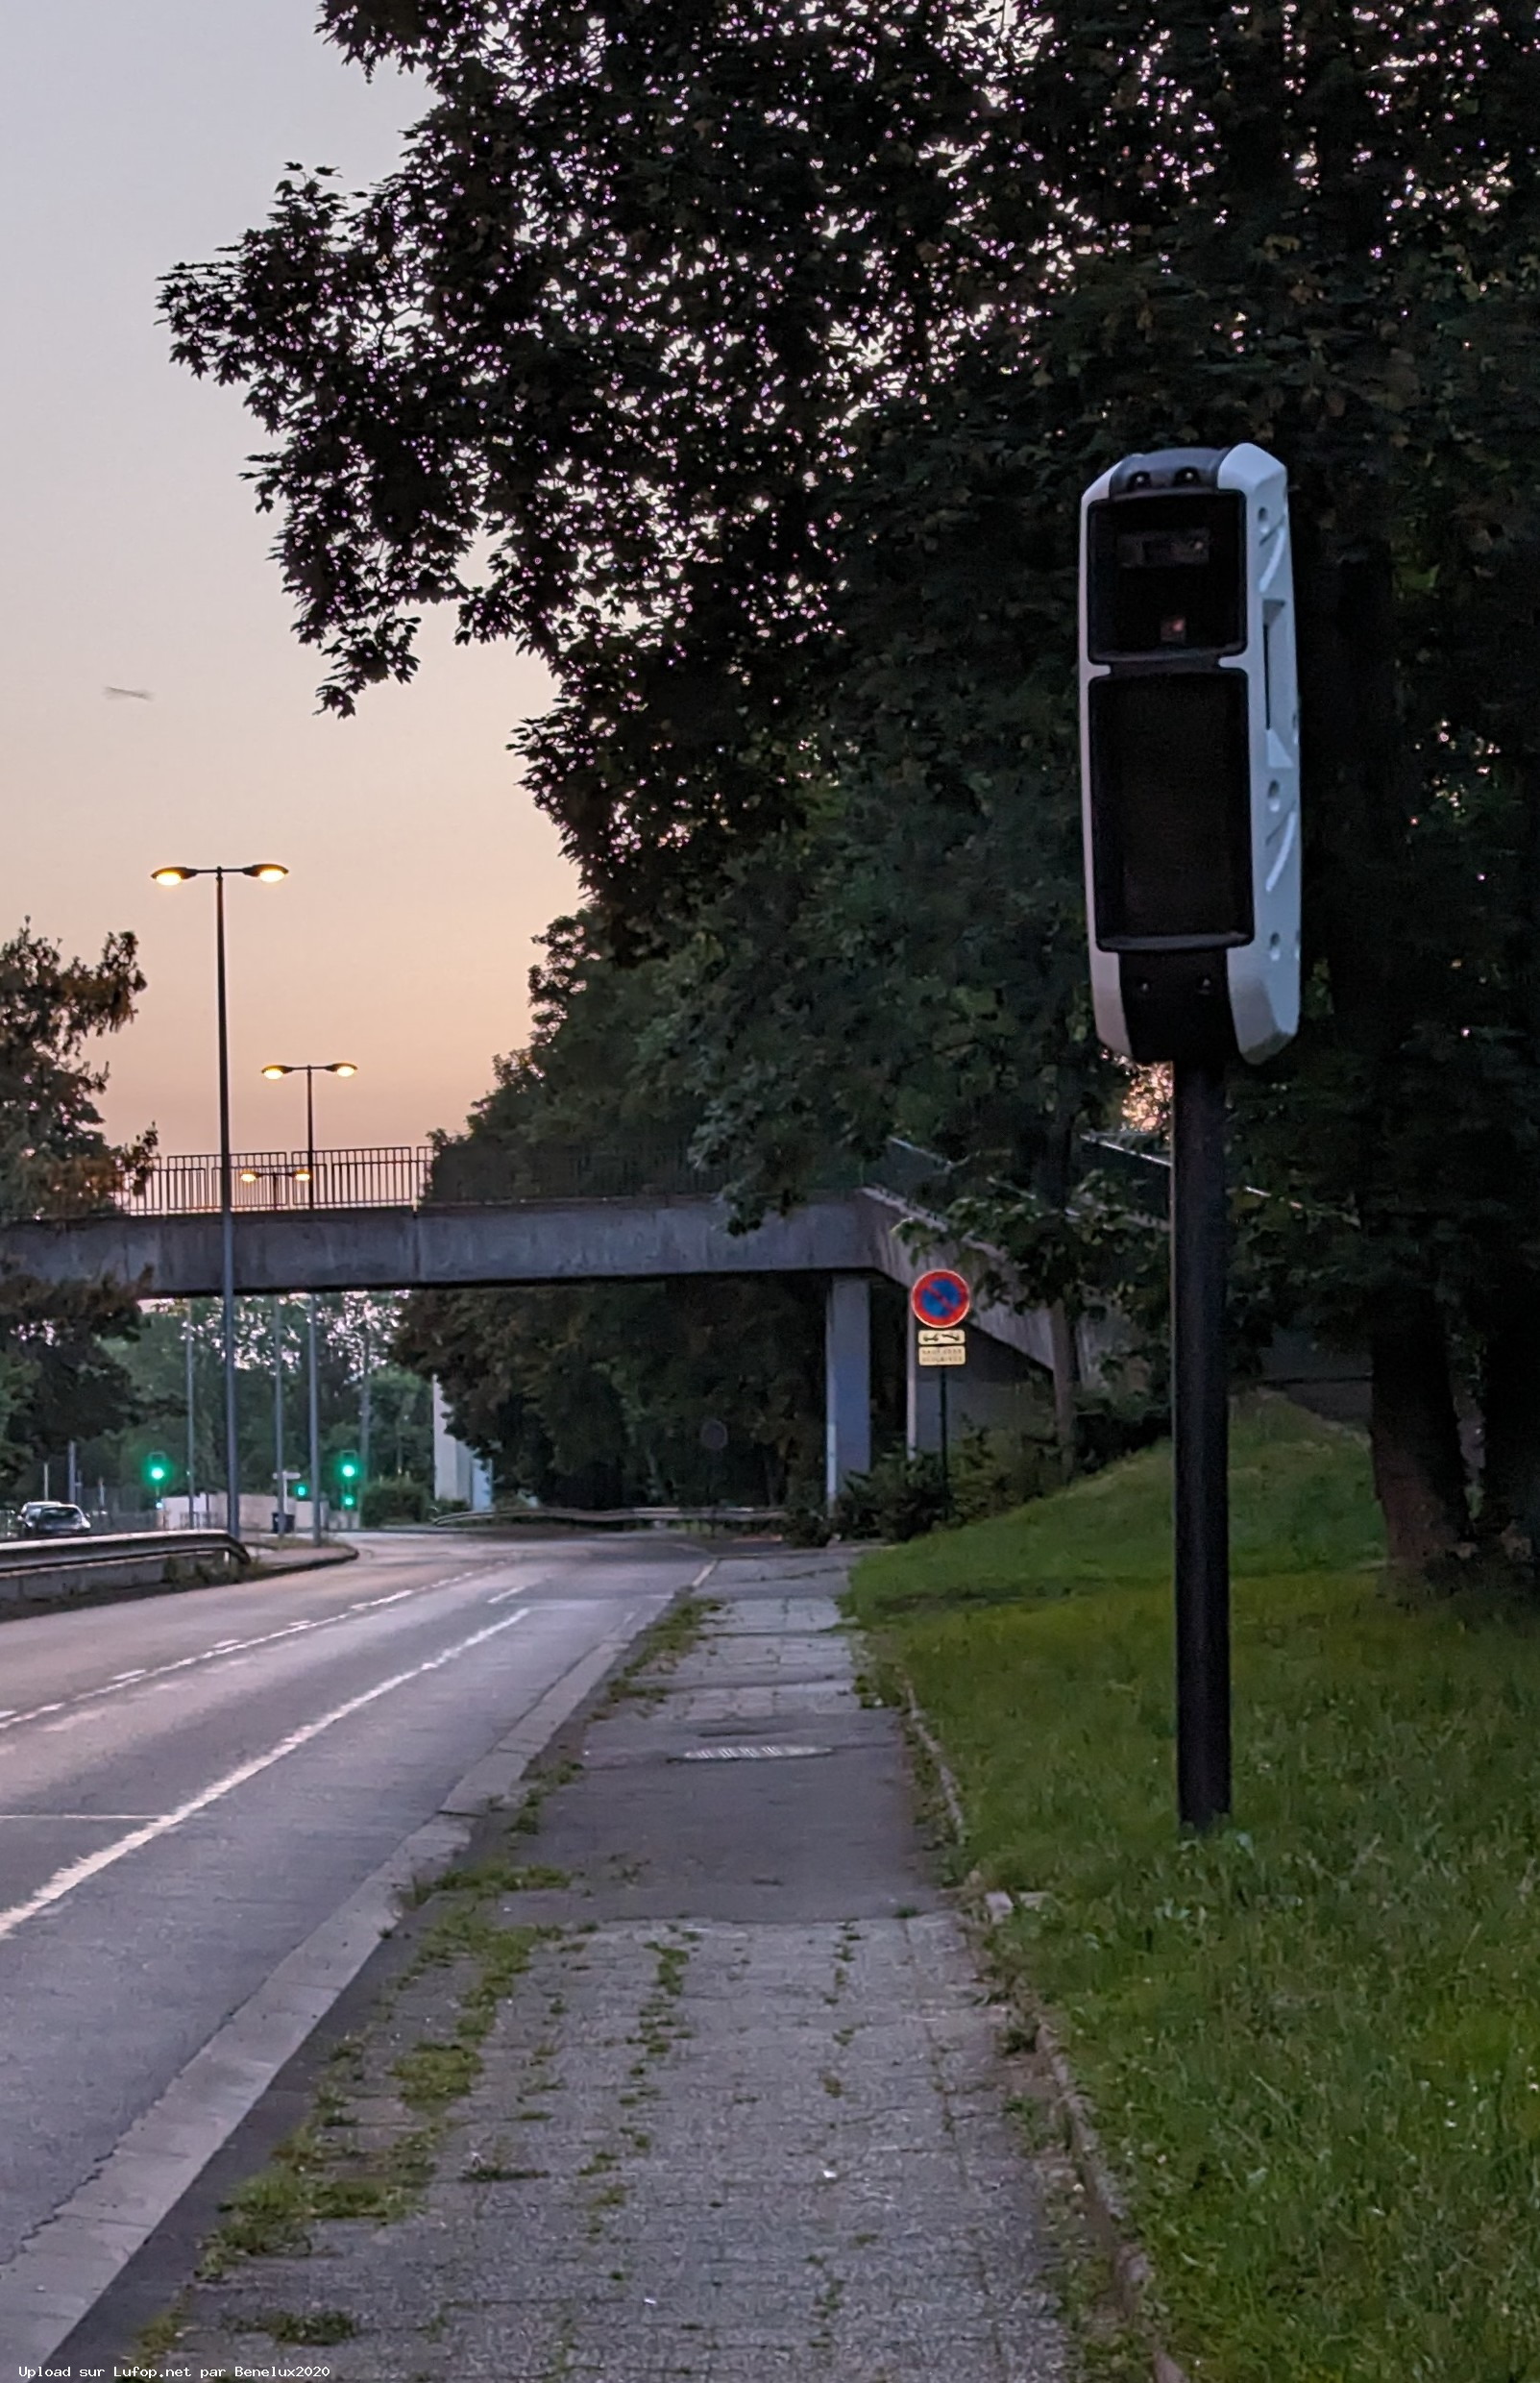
point(941, 1297)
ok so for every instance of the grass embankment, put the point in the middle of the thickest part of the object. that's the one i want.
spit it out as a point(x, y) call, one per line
point(1313, 2040)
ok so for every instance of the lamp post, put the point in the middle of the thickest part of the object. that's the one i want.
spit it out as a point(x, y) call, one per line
point(278, 1413)
point(192, 1436)
point(311, 1068)
point(266, 872)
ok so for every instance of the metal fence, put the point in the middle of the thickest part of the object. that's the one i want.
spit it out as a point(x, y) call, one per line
point(477, 1174)
point(266, 1180)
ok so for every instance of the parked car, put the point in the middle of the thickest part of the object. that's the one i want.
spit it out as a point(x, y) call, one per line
point(49, 1518)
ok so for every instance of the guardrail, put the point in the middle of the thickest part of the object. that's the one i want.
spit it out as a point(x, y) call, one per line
point(646, 1517)
point(38, 1569)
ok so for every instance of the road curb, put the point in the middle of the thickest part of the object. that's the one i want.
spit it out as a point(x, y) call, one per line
point(1129, 2262)
point(320, 1561)
point(70, 2263)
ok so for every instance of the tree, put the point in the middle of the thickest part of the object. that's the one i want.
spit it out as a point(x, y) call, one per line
point(702, 321)
point(61, 1378)
point(595, 1396)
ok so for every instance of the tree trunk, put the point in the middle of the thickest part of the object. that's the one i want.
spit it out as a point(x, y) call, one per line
point(1364, 789)
point(1510, 1414)
point(1419, 1471)
point(1065, 1375)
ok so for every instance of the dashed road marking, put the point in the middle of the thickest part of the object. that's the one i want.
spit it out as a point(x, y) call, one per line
point(12, 1716)
point(77, 1874)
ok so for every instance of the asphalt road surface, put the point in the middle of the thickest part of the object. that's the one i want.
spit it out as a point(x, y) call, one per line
point(190, 1785)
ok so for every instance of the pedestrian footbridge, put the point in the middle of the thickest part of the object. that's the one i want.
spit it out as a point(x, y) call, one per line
point(398, 1220)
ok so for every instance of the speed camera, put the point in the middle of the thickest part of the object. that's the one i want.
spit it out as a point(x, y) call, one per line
point(1190, 754)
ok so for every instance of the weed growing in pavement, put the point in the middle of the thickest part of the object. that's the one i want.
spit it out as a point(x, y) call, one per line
point(526, 1821)
point(432, 2071)
point(658, 2024)
point(498, 1876)
point(314, 2175)
point(313, 2328)
point(271, 2214)
point(671, 1638)
point(160, 2335)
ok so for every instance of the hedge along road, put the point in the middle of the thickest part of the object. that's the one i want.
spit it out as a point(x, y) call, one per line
point(190, 1786)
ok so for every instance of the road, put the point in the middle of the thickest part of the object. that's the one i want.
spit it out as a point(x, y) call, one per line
point(189, 1785)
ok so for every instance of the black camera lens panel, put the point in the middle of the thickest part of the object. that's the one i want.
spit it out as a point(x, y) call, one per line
point(1166, 575)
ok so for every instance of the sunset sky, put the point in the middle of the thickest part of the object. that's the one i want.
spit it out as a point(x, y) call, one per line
point(133, 136)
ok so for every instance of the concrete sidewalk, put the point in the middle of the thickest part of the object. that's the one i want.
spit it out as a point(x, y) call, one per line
point(739, 2116)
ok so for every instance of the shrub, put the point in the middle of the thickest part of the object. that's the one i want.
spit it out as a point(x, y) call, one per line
point(901, 1498)
point(398, 1498)
point(993, 1471)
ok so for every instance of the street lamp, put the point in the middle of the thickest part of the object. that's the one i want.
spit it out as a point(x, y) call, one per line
point(266, 872)
point(311, 1068)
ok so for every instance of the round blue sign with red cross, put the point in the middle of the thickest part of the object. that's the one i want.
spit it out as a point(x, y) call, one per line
point(941, 1297)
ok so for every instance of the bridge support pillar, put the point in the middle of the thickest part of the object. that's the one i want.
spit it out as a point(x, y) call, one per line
point(847, 1381)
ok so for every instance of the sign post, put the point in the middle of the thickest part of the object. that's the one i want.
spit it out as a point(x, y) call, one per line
point(1190, 762)
point(938, 1301)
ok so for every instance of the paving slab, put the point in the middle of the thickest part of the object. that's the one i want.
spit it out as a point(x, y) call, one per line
point(743, 2114)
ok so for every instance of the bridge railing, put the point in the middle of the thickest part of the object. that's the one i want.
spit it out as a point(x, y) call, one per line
point(480, 1175)
point(266, 1180)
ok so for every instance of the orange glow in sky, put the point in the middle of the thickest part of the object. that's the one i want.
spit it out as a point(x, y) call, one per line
point(419, 870)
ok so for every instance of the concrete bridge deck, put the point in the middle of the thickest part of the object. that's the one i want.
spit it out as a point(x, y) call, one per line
point(846, 1239)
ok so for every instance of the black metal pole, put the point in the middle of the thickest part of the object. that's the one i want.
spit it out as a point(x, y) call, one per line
point(278, 1413)
point(1200, 1413)
point(315, 1434)
point(946, 1473)
point(192, 1436)
point(226, 1230)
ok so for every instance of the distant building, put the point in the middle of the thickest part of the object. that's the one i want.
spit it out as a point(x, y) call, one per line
point(460, 1474)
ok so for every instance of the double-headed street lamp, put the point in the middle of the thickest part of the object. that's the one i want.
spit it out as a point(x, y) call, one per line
point(311, 1068)
point(266, 872)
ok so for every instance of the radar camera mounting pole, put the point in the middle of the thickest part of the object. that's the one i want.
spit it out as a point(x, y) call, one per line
point(1190, 753)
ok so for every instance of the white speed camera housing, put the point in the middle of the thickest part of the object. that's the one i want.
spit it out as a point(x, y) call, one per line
point(1190, 754)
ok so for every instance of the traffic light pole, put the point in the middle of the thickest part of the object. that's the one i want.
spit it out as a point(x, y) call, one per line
point(1200, 1415)
point(277, 1414)
point(192, 1436)
point(315, 1436)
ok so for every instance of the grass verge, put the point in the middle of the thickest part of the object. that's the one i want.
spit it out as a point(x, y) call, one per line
point(1313, 2040)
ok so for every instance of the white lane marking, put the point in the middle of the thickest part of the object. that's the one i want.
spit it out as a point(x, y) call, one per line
point(500, 1598)
point(76, 1873)
point(208, 1654)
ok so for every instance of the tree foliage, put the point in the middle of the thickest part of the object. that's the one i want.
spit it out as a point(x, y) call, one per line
point(61, 1378)
point(758, 355)
point(595, 1396)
